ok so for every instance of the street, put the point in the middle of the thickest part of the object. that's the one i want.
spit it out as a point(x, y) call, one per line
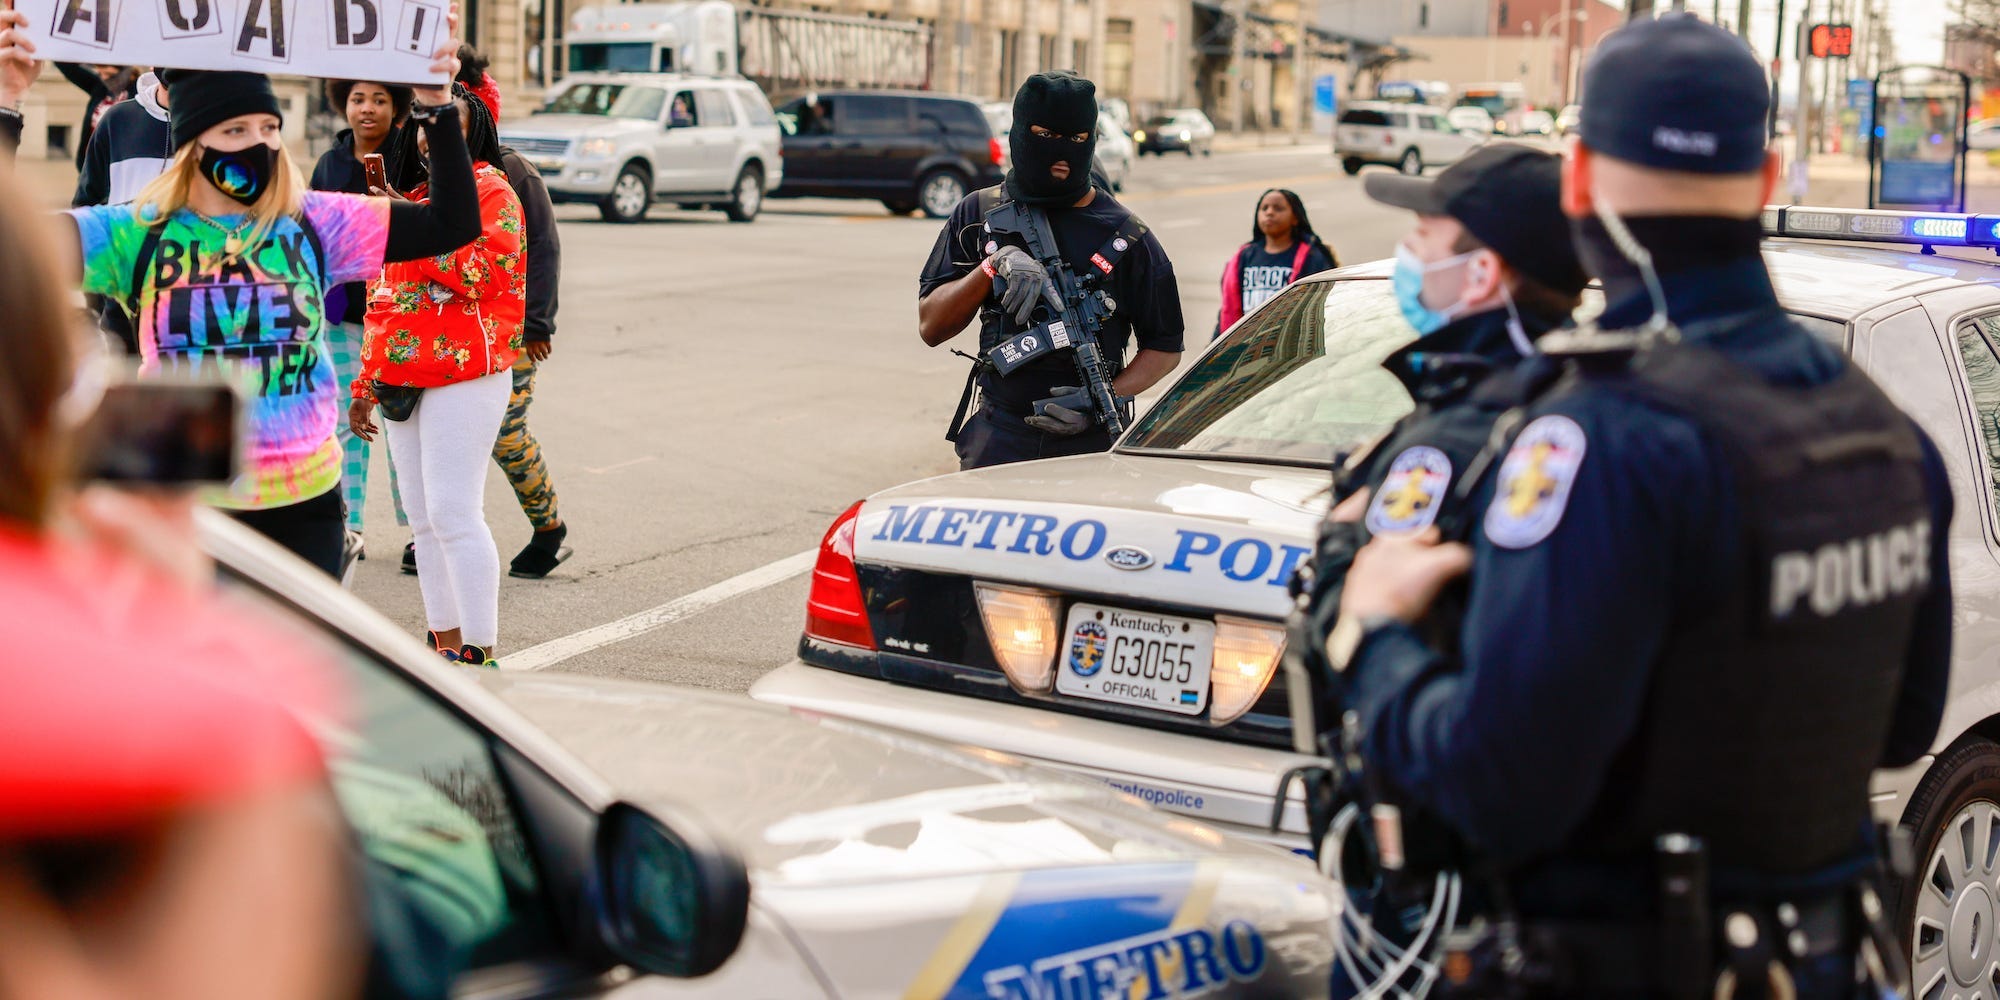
point(719, 393)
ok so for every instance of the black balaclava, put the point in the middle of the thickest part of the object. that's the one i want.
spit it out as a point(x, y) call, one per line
point(1065, 104)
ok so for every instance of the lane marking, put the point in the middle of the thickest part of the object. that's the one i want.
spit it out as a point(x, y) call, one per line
point(632, 626)
point(621, 465)
point(1180, 223)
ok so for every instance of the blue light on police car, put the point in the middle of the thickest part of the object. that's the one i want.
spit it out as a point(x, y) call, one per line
point(1938, 229)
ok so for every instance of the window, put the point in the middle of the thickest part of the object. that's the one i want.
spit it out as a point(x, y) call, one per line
point(712, 108)
point(684, 112)
point(614, 100)
point(1905, 358)
point(1423, 15)
point(430, 810)
point(957, 117)
point(756, 110)
point(1363, 116)
point(1117, 57)
point(876, 116)
point(1400, 119)
point(1976, 341)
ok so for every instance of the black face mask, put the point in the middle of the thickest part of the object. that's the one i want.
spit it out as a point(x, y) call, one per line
point(1676, 243)
point(1035, 155)
point(243, 175)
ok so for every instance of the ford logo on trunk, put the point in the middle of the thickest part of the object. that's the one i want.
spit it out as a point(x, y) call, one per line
point(1129, 557)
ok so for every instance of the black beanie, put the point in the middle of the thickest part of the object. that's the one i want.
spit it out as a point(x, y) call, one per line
point(203, 99)
point(1063, 103)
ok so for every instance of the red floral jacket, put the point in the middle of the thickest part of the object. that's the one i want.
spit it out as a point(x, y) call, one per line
point(457, 316)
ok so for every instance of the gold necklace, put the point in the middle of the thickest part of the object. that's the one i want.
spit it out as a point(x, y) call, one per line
point(232, 239)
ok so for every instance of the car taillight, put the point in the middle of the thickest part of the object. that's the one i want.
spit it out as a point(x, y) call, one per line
point(996, 152)
point(835, 611)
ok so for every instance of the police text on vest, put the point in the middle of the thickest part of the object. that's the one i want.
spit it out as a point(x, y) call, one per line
point(1854, 573)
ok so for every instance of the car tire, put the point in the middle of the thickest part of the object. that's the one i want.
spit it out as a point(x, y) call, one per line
point(1958, 802)
point(1208, 150)
point(939, 192)
point(899, 207)
point(1412, 163)
point(1350, 166)
point(1189, 150)
point(631, 195)
point(747, 197)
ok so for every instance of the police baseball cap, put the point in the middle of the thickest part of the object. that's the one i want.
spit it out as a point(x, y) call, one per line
point(1509, 197)
point(1677, 94)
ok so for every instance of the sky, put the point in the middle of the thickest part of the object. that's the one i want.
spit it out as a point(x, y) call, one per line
point(1918, 25)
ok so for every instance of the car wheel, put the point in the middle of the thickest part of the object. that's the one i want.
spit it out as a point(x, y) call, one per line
point(899, 207)
point(1208, 150)
point(748, 199)
point(939, 192)
point(1350, 166)
point(631, 195)
point(1411, 163)
point(1189, 150)
point(1949, 910)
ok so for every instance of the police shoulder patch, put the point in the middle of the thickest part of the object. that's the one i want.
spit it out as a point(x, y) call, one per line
point(1411, 493)
point(1534, 483)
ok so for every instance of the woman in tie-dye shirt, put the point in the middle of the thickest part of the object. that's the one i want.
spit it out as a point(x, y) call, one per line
point(226, 261)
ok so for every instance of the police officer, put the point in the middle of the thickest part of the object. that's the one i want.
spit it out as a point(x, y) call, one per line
point(1054, 132)
point(1708, 594)
point(1487, 268)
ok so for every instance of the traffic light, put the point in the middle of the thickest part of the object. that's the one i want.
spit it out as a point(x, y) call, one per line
point(1831, 41)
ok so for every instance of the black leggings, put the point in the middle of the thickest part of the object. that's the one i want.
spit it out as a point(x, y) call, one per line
point(314, 530)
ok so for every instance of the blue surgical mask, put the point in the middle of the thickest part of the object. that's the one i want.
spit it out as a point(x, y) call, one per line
point(1408, 282)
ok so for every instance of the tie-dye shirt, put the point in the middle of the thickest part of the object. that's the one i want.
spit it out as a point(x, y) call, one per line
point(258, 318)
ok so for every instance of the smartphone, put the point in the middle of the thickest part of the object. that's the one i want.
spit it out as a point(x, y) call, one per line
point(166, 433)
point(377, 171)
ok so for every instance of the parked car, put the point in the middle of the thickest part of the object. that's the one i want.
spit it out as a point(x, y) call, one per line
point(1408, 137)
point(1537, 122)
point(621, 141)
point(1571, 117)
point(1983, 136)
point(1185, 130)
point(587, 837)
point(907, 149)
point(1467, 118)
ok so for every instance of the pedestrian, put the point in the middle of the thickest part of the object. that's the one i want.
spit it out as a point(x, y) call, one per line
point(1486, 269)
point(165, 825)
point(132, 145)
point(517, 450)
point(1640, 688)
point(231, 218)
point(1053, 135)
point(1283, 248)
point(104, 87)
point(442, 334)
point(375, 113)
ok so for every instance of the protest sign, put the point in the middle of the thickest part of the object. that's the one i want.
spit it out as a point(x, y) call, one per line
point(390, 41)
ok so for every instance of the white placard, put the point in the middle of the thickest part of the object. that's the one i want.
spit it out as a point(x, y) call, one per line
point(388, 41)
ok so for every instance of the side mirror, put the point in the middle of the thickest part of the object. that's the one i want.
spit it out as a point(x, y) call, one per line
point(674, 900)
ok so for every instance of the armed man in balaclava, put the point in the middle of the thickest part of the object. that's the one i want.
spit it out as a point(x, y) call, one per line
point(1030, 403)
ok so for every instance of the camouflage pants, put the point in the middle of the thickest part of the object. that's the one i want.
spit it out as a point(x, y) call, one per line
point(520, 455)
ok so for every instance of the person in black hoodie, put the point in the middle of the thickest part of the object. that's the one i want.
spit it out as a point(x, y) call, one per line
point(375, 114)
point(106, 87)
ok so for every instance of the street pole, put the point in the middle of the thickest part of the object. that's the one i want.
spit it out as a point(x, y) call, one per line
point(1777, 67)
point(1743, 19)
point(1562, 86)
point(1238, 46)
point(1302, 72)
point(1801, 133)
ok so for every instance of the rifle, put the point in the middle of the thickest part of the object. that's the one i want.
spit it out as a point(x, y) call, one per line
point(1084, 309)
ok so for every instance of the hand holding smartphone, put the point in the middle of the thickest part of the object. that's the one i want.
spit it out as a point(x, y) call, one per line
point(165, 433)
point(377, 172)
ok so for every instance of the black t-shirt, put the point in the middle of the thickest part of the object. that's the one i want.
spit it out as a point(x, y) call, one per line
point(1143, 285)
point(1265, 274)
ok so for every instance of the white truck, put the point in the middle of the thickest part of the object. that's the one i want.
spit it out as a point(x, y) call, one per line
point(780, 50)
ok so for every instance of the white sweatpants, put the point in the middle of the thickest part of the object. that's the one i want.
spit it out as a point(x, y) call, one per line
point(441, 455)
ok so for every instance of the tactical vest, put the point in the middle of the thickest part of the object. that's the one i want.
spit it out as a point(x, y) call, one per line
point(1764, 720)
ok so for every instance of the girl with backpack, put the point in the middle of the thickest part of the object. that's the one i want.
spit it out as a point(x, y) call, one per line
point(1283, 248)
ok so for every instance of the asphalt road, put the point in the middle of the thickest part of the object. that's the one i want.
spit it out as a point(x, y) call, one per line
point(719, 393)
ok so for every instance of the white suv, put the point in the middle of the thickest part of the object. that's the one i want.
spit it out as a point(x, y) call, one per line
point(621, 141)
point(1408, 137)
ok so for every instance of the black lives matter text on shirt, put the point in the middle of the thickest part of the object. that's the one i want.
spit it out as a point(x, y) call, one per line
point(213, 314)
point(1148, 297)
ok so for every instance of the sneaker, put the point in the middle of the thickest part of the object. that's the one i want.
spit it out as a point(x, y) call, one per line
point(450, 655)
point(352, 551)
point(475, 656)
point(410, 559)
point(543, 554)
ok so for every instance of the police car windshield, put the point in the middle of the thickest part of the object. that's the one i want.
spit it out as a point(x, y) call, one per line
point(612, 100)
point(1300, 380)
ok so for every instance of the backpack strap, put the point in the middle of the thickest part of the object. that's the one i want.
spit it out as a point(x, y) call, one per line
point(142, 266)
point(1299, 256)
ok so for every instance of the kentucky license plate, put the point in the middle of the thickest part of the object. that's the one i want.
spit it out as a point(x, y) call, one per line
point(1137, 658)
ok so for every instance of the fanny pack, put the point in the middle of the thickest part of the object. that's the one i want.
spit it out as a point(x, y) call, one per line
point(399, 402)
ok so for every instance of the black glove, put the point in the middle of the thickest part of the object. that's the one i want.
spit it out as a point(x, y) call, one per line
point(1065, 412)
point(1024, 283)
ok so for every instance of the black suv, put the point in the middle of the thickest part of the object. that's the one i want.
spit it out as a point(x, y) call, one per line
point(908, 150)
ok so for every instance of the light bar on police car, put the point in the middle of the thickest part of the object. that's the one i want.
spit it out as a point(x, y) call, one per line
point(1928, 229)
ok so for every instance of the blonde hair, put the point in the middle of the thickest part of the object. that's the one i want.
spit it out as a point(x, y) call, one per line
point(168, 193)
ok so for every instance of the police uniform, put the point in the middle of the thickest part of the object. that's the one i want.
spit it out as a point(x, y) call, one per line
point(1101, 238)
point(1709, 595)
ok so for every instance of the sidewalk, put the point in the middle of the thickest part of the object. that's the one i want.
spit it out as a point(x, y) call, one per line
point(1841, 180)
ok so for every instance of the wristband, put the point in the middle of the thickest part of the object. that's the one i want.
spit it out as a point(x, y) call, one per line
point(427, 113)
point(13, 115)
point(987, 266)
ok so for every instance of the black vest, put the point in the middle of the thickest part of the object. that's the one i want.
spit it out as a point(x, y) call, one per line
point(1765, 717)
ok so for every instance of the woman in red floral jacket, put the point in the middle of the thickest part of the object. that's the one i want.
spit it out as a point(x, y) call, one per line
point(450, 326)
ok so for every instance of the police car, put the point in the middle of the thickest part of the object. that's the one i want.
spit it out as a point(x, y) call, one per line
point(1120, 614)
point(583, 837)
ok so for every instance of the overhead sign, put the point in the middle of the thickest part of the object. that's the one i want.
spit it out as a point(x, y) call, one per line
point(1831, 41)
point(389, 41)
